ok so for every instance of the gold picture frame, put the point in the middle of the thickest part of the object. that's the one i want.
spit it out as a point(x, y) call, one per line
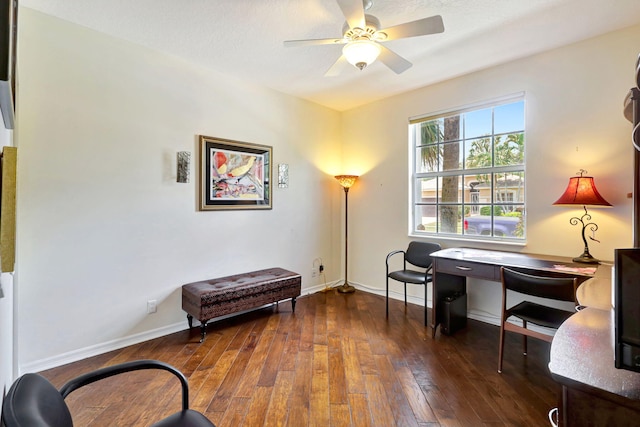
point(234, 175)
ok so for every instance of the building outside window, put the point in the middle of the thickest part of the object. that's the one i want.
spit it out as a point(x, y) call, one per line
point(468, 174)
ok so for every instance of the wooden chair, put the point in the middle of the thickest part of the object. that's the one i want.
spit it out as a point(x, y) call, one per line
point(546, 287)
point(33, 401)
point(417, 254)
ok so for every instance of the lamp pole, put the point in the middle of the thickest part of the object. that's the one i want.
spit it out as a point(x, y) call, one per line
point(346, 287)
point(346, 181)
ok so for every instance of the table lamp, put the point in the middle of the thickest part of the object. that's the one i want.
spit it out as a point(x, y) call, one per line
point(582, 191)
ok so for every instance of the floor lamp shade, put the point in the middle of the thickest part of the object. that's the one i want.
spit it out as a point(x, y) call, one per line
point(346, 181)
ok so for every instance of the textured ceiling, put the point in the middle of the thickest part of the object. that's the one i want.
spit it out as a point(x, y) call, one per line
point(244, 38)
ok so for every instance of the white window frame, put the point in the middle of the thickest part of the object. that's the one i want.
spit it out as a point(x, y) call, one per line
point(471, 207)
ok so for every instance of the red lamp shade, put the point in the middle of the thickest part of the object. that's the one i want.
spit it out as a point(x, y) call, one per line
point(581, 191)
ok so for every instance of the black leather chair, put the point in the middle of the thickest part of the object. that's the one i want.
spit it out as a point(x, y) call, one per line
point(32, 401)
point(417, 254)
point(549, 288)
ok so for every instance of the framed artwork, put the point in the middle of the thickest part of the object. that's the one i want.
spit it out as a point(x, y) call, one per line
point(234, 175)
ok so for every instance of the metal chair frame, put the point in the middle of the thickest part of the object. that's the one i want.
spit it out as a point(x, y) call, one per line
point(32, 400)
point(417, 254)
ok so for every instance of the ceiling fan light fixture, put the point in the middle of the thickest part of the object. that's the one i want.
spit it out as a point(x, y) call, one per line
point(362, 38)
point(361, 53)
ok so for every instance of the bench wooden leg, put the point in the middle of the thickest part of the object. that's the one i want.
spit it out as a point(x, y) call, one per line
point(293, 304)
point(203, 330)
point(203, 327)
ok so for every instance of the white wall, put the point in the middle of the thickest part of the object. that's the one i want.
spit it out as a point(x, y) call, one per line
point(103, 226)
point(574, 120)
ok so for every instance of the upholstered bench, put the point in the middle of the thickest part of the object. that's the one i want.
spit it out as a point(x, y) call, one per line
point(213, 298)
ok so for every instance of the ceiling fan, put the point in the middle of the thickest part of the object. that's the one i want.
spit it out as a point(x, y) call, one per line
point(362, 38)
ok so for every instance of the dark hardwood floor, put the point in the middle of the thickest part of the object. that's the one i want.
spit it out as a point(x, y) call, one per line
point(337, 361)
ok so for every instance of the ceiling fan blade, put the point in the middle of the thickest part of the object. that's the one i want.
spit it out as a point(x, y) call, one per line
point(394, 61)
point(353, 10)
point(313, 42)
point(340, 65)
point(421, 27)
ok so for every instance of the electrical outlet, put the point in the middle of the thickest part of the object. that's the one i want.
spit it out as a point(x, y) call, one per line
point(317, 268)
point(152, 306)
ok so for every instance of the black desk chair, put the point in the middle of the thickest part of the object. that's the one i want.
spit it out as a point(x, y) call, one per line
point(549, 288)
point(32, 401)
point(417, 254)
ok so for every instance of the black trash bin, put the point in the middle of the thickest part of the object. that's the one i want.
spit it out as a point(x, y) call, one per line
point(454, 313)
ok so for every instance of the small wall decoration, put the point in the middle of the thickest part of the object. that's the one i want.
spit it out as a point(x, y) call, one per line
point(183, 163)
point(234, 175)
point(283, 175)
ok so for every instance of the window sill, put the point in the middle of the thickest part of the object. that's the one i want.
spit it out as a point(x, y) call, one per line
point(467, 240)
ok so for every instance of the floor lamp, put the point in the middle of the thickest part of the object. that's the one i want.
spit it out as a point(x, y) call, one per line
point(346, 181)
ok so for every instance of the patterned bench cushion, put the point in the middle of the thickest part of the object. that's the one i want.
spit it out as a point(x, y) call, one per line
point(226, 295)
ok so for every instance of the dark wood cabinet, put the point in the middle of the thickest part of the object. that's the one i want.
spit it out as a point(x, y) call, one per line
point(594, 392)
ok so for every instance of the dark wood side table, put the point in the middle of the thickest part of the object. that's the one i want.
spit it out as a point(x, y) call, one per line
point(594, 392)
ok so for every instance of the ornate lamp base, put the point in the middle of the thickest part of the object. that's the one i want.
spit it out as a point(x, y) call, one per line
point(345, 288)
point(586, 258)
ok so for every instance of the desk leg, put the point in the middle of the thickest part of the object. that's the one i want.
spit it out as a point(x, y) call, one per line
point(443, 286)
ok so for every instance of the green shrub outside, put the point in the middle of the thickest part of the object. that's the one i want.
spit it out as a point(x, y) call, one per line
point(486, 210)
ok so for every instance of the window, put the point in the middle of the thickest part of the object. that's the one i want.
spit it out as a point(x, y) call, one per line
point(468, 177)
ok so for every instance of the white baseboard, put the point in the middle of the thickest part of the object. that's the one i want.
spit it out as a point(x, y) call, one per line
point(321, 287)
point(392, 294)
point(94, 350)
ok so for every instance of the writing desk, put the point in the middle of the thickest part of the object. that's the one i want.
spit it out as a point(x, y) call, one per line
point(452, 266)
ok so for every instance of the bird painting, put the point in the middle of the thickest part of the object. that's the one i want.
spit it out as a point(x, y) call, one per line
point(236, 175)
